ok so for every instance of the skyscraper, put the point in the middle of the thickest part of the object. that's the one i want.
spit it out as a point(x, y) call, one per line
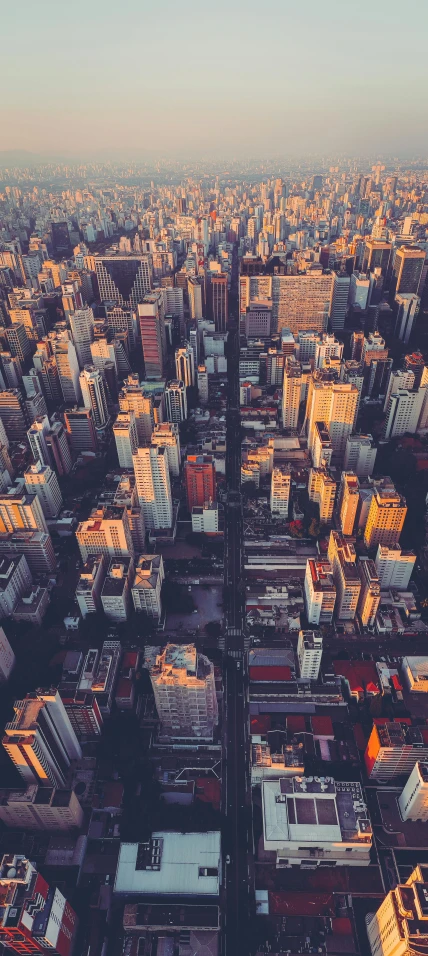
point(94, 395)
point(348, 501)
point(40, 739)
point(132, 398)
point(42, 481)
point(151, 316)
point(185, 365)
point(82, 328)
point(21, 511)
point(126, 438)
point(219, 300)
point(175, 401)
point(399, 927)
point(58, 449)
point(342, 557)
point(199, 475)
point(34, 917)
point(184, 688)
point(291, 392)
point(339, 300)
point(299, 301)
point(37, 438)
point(153, 486)
point(407, 307)
point(124, 279)
point(334, 403)
point(106, 531)
point(280, 492)
point(386, 515)
point(167, 434)
point(68, 367)
point(309, 653)
point(407, 270)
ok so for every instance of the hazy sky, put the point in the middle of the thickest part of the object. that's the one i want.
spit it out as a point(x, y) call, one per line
point(229, 77)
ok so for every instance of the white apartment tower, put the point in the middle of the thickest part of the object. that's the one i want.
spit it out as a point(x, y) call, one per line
point(153, 486)
point(334, 403)
point(413, 800)
point(280, 491)
point(126, 438)
point(291, 392)
point(94, 395)
point(82, 329)
point(407, 305)
point(40, 739)
point(68, 367)
point(184, 688)
point(132, 399)
point(320, 591)
point(360, 455)
point(309, 653)
point(185, 365)
point(394, 566)
point(322, 491)
point(175, 401)
point(42, 481)
point(167, 434)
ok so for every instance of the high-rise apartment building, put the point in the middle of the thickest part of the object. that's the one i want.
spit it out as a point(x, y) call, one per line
point(175, 401)
point(280, 492)
point(199, 476)
point(322, 491)
point(40, 808)
point(300, 301)
point(40, 739)
point(393, 749)
point(58, 449)
point(68, 367)
point(126, 438)
point(34, 917)
point(82, 329)
point(322, 447)
point(400, 925)
point(185, 365)
point(342, 557)
point(42, 481)
point(184, 688)
point(334, 403)
point(369, 599)
point(220, 301)
point(360, 455)
point(339, 300)
point(386, 515)
point(133, 399)
point(196, 297)
point(202, 383)
point(258, 320)
point(147, 585)
point(348, 501)
point(151, 316)
point(167, 434)
point(80, 426)
point(89, 585)
point(291, 392)
point(327, 349)
point(309, 653)
point(106, 531)
point(407, 269)
point(124, 279)
point(394, 566)
point(407, 307)
point(320, 591)
point(94, 395)
point(37, 439)
point(413, 800)
point(153, 486)
point(21, 511)
point(13, 414)
point(403, 410)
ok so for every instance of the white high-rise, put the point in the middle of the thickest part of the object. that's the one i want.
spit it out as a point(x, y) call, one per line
point(175, 401)
point(167, 434)
point(291, 392)
point(407, 306)
point(339, 300)
point(336, 404)
point(413, 800)
point(327, 348)
point(37, 437)
point(185, 365)
point(280, 491)
point(68, 367)
point(82, 329)
point(94, 395)
point(309, 653)
point(132, 398)
point(184, 688)
point(394, 566)
point(403, 412)
point(153, 486)
point(40, 739)
point(42, 481)
point(360, 455)
point(126, 438)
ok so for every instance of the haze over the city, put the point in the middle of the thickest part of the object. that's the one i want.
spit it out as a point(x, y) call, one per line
point(137, 79)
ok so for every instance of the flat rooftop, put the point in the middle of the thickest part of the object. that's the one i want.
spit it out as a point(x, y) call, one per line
point(176, 864)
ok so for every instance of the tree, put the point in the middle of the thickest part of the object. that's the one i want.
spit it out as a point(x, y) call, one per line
point(314, 528)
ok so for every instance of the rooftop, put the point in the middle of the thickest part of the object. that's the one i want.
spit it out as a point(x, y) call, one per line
point(179, 864)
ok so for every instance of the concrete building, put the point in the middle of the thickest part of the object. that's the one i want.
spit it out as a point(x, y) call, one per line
point(199, 476)
point(194, 291)
point(58, 449)
point(415, 672)
point(123, 279)
point(407, 307)
point(413, 800)
point(400, 925)
point(15, 580)
point(394, 566)
point(151, 469)
point(205, 519)
point(394, 749)
point(82, 329)
point(126, 438)
point(35, 545)
point(116, 590)
point(184, 688)
point(407, 270)
point(133, 399)
point(94, 395)
point(339, 300)
point(309, 822)
point(106, 531)
point(147, 585)
point(89, 585)
point(327, 348)
point(359, 291)
point(291, 392)
point(34, 917)
point(322, 491)
point(220, 301)
point(348, 501)
point(167, 435)
point(67, 365)
point(309, 653)
point(258, 320)
point(99, 673)
point(320, 591)
point(151, 316)
point(175, 401)
point(80, 426)
point(202, 383)
point(369, 599)
point(42, 481)
point(386, 515)
point(41, 808)
point(360, 455)
point(342, 557)
point(170, 864)
point(299, 301)
point(280, 492)
point(37, 438)
point(185, 365)
point(7, 658)
point(334, 403)
point(21, 511)
point(40, 739)
point(322, 447)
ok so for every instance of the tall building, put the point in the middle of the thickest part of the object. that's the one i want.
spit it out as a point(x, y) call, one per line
point(41, 808)
point(151, 317)
point(299, 301)
point(339, 300)
point(360, 455)
point(89, 585)
point(407, 269)
point(147, 585)
point(34, 917)
point(320, 591)
point(133, 399)
point(369, 599)
point(94, 395)
point(220, 301)
point(258, 320)
point(13, 414)
point(115, 593)
point(386, 515)
point(40, 739)
point(68, 367)
point(199, 476)
point(413, 800)
point(334, 403)
point(196, 297)
point(81, 432)
point(377, 254)
point(124, 279)
point(280, 492)
point(394, 566)
point(407, 306)
point(400, 925)
point(393, 749)
point(185, 365)
point(106, 531)
point(327, 349)
point(15, 580)
point(175, 401)
point(403, 410)
point(126, 438)
point(342, 557)
point(359, 291)
point(184, 688)
point(309, 653)
point(322, 491)
point(21, 511)
point(58, 449)
point(322, 447)
point(42, 481)
point(153, 486)
point(61, 239)
point(291, 392)
point(7, 658)
point(37, 438)
point(82, 330)
point(202, 382)
point(348, 501)
point(167, 434)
